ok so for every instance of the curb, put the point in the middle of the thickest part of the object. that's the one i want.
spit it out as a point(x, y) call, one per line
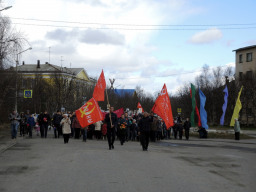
point(3, 149)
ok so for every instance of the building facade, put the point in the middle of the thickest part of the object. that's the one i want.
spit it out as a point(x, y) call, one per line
point(245, 75)
point(245, 61)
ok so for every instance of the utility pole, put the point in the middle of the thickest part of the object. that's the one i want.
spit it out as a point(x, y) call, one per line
point(61, 61)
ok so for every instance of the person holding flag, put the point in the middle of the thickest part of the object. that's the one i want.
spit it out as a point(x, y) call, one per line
point(111, 120)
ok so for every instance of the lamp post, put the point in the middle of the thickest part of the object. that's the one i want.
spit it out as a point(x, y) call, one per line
point(16, 86)
point(6, 8)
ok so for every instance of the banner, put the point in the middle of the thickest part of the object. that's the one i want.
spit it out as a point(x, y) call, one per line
point(140, 107)
point(203, 113)
point(162, 107)
point(118, 112)
point(193, 99)
point(224, 106)
point(89, 113)
point(238, 107)
point(197, 111)
point(98, 93)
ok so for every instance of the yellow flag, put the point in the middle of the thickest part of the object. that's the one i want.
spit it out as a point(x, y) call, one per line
point(238, 107)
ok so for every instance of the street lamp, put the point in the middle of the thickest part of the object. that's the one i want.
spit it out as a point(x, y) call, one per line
point(16, 87)
point(6, 8)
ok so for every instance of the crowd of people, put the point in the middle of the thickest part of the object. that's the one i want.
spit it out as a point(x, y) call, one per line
point(141, 127)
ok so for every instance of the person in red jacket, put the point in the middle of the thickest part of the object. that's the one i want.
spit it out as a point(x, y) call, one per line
point(104, 131)
point(76, 126)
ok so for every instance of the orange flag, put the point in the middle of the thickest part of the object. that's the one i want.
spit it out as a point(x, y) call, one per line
point(89, 113)
point(140, 107)
point(98, 93)
point(163, 108)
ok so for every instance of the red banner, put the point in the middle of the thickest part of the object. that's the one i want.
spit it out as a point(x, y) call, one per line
point(118, 112)
point(197, 112)
point(140, 107)
point(162, 107)
point(89, 113)
point(98, 93)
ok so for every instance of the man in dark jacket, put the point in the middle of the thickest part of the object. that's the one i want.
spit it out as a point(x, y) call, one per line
point(187, 126)
point(57, 117)
point(111, 120)
point(46, 119)
point(144, 130)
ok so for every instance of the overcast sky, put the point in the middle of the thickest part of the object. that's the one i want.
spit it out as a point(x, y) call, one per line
point(145, 43)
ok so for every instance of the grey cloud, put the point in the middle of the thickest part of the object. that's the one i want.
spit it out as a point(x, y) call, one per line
point(61, 35)
point(90, 36)
point(102, 37)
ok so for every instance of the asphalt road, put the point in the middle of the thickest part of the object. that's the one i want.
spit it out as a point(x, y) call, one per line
point(49, 165)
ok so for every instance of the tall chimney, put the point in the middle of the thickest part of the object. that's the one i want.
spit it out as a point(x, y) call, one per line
point(38, 64)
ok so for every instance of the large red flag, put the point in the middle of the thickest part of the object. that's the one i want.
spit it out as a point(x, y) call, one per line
point(197, 112)
point(89, 113)
point(163, 107)
point(140, 107)
point(98, 93)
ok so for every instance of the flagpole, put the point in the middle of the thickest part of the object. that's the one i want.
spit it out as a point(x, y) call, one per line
point(109, 108)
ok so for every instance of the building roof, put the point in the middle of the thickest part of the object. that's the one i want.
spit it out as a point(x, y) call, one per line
point(123, 92)
point(79, 73)
point(243, 48)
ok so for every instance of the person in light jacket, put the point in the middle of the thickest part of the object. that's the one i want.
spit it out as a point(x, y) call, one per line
point(66, 130)
point(237, 129)
point(97, 130)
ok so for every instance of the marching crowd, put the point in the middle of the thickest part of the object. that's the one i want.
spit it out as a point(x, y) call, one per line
point(141, 127)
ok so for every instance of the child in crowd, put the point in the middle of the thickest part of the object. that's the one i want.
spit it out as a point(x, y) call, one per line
point(37, 129)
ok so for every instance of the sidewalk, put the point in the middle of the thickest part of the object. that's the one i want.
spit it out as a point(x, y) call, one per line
point(5, 140)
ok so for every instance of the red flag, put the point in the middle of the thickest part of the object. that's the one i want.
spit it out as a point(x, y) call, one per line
point(89, 113)
point(118, 112)
point(163, 107)
point(140, 107)
point(98, 93)
point(197, 112)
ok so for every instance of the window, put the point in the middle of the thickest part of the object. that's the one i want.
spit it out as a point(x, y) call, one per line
point(240, 76)
point(249, 74)
point(248, 57)
point(241, 58)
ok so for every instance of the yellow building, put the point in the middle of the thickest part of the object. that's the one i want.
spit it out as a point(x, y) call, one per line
point(49, 71)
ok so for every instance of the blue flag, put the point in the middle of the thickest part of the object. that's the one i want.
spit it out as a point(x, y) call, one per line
point(203, 113)
point(224, 106)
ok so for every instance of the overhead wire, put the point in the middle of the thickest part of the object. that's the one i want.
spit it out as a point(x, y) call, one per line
point(122, 26)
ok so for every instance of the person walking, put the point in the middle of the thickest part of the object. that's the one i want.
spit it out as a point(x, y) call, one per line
point(237, 129)
point(144, 130)
point(76, 127)
point(122, 124)
point(23, 124)
point(84, 133)
point(111, 120)
point(97, 130)
point(31, 123)
point(57, 117)
point(104, 131)
point(66, 130)
point(154, 129)
point(45, 120)
point(14, 119)
point(186, 127)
